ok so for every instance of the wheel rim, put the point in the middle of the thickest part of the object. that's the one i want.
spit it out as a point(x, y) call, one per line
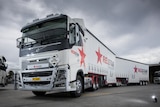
point(79, 86)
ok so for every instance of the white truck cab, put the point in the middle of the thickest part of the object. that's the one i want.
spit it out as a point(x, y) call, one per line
point(60, 54)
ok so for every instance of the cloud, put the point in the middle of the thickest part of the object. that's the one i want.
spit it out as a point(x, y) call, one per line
point(11, 23)
point(119, 44)
point(147, 55)
point(8, 43)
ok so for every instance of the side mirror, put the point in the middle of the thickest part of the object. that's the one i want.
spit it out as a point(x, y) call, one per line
point(77, 34)
point(19, 42)
point(72, 33)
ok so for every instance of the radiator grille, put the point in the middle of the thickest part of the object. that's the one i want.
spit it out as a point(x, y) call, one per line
point(37, 74)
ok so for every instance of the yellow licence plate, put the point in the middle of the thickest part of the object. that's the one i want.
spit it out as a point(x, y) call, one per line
point(36, 79)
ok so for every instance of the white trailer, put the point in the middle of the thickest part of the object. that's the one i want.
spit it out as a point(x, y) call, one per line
point(131, 72)
point(59, 54)
point(100, 61)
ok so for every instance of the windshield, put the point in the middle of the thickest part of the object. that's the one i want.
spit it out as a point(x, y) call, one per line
point(46, 36)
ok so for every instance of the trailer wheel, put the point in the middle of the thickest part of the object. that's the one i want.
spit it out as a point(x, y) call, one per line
point(144, 83)
point(39, 93)
point(95, 85)
point(141, 83)
point(79, 87)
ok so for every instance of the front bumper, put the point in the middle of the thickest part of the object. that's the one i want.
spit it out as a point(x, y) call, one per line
point(38, 80)
point(42, 88)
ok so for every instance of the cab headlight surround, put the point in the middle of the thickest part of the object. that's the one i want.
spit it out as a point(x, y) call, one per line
point(54, 60)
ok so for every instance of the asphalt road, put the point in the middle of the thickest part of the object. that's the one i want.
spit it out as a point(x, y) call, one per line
point(126, 96)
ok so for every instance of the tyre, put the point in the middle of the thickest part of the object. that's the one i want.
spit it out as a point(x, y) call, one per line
point(95, 86)
point(141, 83)
point(39, 93)
point(79, 87)
point(145, 83)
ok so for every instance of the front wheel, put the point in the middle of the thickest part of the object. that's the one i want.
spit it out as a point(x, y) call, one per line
point(39, 93)
point(79, 87)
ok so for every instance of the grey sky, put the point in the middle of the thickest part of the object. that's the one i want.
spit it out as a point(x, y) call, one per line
point(130, 28)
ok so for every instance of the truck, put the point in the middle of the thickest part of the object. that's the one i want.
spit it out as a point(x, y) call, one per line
point(131, 72)
point(60, 54)
point(3, 74)
point(156, 77)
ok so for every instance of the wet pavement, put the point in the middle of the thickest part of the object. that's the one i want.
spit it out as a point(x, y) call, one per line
point(126, 96)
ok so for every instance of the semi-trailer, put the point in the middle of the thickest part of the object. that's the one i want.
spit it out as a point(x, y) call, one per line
point(131, 72)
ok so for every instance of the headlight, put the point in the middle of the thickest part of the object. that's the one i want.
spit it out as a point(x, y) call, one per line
point(61, 75)
point(54, 60)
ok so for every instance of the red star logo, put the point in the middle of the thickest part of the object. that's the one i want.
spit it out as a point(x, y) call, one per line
point(83, 55)
point(99, 56)
point(135, 69)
